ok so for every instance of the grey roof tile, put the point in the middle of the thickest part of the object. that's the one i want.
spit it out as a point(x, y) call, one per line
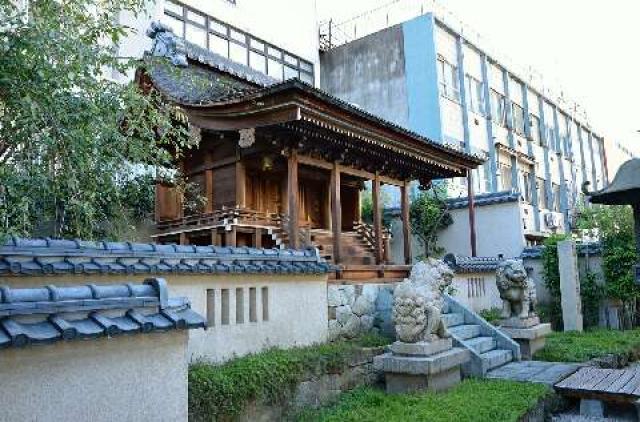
point(485, 199)
point(54, 310)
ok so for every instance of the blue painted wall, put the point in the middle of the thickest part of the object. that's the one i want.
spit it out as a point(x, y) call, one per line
point(422, 77)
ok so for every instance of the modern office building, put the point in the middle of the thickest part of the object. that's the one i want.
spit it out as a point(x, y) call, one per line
point(424, 74)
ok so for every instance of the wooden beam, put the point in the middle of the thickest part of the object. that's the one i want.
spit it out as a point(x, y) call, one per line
point(184, 239)
point(472, 213)
point(257, 238)
point(406, 224)
point(232, 237)
point(241, 184)
point(292, 195)
point(214, 237)
point(315, 162)
point(336, 212)
point(377, 219)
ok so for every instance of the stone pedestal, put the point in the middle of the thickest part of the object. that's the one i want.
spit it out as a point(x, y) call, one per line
point(528, 333)
point(430, 366)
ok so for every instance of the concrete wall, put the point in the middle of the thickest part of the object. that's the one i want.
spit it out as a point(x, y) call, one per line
point(297, 309)
point(370, 73)
point(128, 378)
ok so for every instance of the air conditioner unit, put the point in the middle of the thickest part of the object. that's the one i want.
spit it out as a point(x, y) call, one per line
point(552, 220)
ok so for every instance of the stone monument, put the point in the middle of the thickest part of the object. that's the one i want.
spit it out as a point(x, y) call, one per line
point(423, 357)
point(569, 286)
point(519, 320)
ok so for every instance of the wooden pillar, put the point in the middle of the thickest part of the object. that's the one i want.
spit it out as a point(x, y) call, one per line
point(158, 203)
point(636, 218)
point(377, 219)
point(406, 224)
point(184, 239)
point(257, 238)
point(208, 185)
point(472, 213)
point(214, 237)
point(241, 184)
point(232, 237)
point(292, 195)
point(336, 212)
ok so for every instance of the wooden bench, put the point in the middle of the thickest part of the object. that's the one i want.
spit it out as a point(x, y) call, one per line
point(595, 387)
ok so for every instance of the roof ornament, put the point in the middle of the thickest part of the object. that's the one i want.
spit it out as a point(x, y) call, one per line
point(167, 44)
point(247, 137)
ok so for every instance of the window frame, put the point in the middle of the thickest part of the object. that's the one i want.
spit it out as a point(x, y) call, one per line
point(304, 68)
point(475, 95)
point(449, 89)
point(493, 94)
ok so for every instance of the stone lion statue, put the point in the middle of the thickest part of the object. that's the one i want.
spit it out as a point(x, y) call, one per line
point(418, 302)
point(167, 44)
point(517, 291)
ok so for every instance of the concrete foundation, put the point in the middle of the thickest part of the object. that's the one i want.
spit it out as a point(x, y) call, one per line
point(409, 373)
point(530, 339)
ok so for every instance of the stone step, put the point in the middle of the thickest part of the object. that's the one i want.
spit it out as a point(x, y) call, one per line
point(482, 344)
point(465, 332)
point(496, 358)
point(453, 320)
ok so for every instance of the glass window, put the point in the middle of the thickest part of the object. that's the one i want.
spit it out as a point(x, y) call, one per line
point(238, 53)
point(525, 188)
point(290, 73)
point(534, 122)
point(498, 108)
point(258, 45)
point(274, 52)
point(306, 66)
point(305, 77)
point(542, 196)
point(196, 35)
point(518, 119)
point(275, 69)
point(237, 35)
point(217, 27)
point(556, 197)
point(475, 92)
point(505, 177)
point(290, 59)
point(172, 7)
point(196, 18)
point(257, 61)
point(219, 45)
point(448, 77)
point(176, 25)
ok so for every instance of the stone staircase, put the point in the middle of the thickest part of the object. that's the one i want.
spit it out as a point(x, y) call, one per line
point(489, 347)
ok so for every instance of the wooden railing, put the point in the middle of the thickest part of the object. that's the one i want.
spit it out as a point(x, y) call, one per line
point(224, 217)
point(367, 231)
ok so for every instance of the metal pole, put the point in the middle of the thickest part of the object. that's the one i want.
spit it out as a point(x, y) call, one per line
point(472, 213)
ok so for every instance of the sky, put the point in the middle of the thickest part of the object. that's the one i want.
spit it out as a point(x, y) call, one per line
point(587, 47)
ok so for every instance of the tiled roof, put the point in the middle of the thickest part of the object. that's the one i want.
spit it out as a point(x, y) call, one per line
point(21, 256)
point(484, 199)
point(468, 264)
point(582, 249)
point(210, 78)
point(50, 314)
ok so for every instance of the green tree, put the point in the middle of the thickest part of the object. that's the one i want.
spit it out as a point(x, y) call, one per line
point(428, 215)
point(72, 140)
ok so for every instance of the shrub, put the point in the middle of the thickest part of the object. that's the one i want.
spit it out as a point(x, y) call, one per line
point(492, 315)
point(269, 376)
point(573, 346)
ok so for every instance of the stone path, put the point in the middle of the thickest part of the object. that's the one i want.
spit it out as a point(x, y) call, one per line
point(548, 373)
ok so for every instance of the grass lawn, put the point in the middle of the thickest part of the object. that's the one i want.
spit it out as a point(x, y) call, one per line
point(472, 400)
point(580, 347)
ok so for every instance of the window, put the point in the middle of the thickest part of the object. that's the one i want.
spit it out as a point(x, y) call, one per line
point(556, 197)
point(448, 79)
point(506, 181)
point(211, 308)
point(525, 186)
point(224, 299)
point(239, 46)
point(518, 119)
point(498, 109)
point(475, 95)
point(534, 129)
point(542, 195)
point(239, 305)
point(265, 303)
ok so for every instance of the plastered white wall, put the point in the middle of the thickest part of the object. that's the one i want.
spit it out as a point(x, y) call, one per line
point(126, 378)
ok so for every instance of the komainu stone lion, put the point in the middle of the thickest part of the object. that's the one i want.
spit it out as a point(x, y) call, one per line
point(418, 302)
point(517, 291)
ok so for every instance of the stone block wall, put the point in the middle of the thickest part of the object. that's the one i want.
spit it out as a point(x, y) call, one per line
point(359, 309)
